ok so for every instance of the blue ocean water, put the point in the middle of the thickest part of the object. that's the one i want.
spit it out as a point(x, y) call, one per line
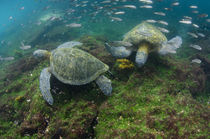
point(21, 19)
point(29, 25)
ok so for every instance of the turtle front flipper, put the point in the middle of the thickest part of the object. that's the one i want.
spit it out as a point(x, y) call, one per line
point(171, 46)
point(104, 84)
point(119, 52)
point(142, 55)
point(45, 85)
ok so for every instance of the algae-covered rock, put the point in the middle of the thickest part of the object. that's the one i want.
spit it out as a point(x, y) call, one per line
point(35, 125)
point(155, 101)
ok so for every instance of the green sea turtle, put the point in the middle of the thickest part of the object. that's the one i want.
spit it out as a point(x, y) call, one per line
point(72, 66)
point(143, 39)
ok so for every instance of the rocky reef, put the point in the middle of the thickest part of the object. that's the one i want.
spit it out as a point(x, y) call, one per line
point(155, 101)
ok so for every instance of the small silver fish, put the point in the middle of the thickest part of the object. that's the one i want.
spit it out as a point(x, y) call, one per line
point(7, 58)
point(192, 34)
point(196, 47)
point(116, 19)
point(198, 61)
point(163, 22)
point(25, 47)
point(74, 25)
point(10, 18)
point(22, 8)
point(196, 26)
point(188, 17)
point(195, 12)
point(130, 6)
point(160, 13)
point(193, 6)
point(151, 21)
point(69, 44)
point(185, 21)
point(201, 35)
point(146, 6)
point(121, 12)
point(175, 4)
point(106, 1)
point(163, 30)
point(146, 1)
point(144, 32)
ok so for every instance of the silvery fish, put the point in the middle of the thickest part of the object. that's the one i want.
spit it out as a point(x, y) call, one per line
point(121, 12)
point(196, 47)
point(175, 4)
point(192, 34)
point(151, 21)
point(163, 30)
point(7, 58)
point(160, 13)
point(106, 1)
point(188, 17)
point(198, 61)
point(185, 21)
point(70, 44)
point(196, 26)
point(25, 47)
point(201, 35)
point(116, 19)
point(146, 6)
point(195, 12)
point(74, 25)
point(144, 32)
point(193, 7)
point(146, 1)
point(163, 22)
point(130, 6)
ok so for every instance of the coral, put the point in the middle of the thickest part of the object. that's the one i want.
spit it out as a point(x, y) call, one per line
point(125, 64)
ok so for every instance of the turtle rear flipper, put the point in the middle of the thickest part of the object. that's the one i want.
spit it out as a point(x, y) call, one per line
point(171, 46)
point(104, 84)
point(45, 85)
point(119, 52)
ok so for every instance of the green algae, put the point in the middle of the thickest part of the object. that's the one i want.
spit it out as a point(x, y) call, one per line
point(145, 110)
point(152, 102)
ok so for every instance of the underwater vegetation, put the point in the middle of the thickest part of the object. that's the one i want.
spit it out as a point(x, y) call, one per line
point(158, 100)
point(153, 96)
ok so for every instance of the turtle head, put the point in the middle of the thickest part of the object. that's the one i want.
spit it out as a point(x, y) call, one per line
point(41, 54)
point(142, 54)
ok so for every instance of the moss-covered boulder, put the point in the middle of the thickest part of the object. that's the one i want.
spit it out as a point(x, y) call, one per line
point(155, 101)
